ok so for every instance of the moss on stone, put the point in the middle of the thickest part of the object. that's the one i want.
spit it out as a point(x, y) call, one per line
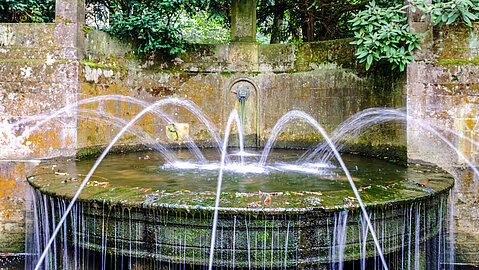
point(127, 138)
point(227, 73)
point(12, 243)
point(393, 153)
point(92, 64)
point(93, 151)
point(171, 71)
point(86, 29)
point(88, 152)
point(474, 61)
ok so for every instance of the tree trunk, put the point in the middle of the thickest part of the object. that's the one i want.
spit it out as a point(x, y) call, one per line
point(308, 29)
point(307, 24)
point(277, 26)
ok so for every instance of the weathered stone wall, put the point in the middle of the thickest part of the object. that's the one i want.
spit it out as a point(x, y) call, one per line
point(443, 86)
point(38, 75)
point(35, 77)
point(13, 196)
point(45, 68)
point(321, 79)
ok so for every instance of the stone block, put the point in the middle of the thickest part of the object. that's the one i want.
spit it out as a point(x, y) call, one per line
point(25, 54)
point(277, 57)
point(70, 11)
point(243, 57)
point(26, 35)
point(243, 21)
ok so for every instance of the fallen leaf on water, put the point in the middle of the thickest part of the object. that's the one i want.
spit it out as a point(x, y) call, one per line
point(253, 204)
point(313, 192)
point(97, 184)
point(363, 188)
point(267, 200)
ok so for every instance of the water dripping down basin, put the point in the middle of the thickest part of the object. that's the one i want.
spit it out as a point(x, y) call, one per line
point(136, 210)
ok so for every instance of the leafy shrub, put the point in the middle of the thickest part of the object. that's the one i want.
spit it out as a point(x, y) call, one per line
point(149, 24)
point(450, 11)
point(382, 33)
point(203, 30)
point(156, 25)
point(23, 11)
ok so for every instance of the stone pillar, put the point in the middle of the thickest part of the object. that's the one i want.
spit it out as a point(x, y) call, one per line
point(415, 86)
point(442, 85)
point(243, 50)
point(415, 20)
point(13, 197)
point(70, 17)
point(69, 40)
point(40, 74)
point(243, 56)
point(243, 21)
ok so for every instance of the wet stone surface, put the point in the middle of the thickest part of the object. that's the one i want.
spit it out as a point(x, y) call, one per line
point(140, 178)
point(288, 227)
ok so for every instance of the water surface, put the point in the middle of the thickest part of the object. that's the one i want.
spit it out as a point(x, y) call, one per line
point(281, 173)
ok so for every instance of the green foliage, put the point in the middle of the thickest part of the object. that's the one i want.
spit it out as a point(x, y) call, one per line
point(307, 20)
point(149, 24)
point(202, 29)
point(382, 33)
point(157, 25)
point(450, 11)
point(23, 11)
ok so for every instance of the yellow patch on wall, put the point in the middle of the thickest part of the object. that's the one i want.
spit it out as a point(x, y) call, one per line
point(10, 175)
point(178, 132)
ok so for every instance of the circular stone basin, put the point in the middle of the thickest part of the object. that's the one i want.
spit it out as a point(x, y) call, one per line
point(280, 215)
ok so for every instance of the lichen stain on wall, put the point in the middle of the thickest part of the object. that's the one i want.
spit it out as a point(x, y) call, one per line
point(13, 194)
point(43, 142)
point(6, 36)
point(442, 89)
point(93, 74)
point(106, 118)
point(10, 186)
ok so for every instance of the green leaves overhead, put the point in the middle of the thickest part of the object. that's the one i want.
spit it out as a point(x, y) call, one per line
point(450, 11)
point(23, 11)
point(150, 24)
point(156, 25)
point(382, 34)
point(204, 30)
